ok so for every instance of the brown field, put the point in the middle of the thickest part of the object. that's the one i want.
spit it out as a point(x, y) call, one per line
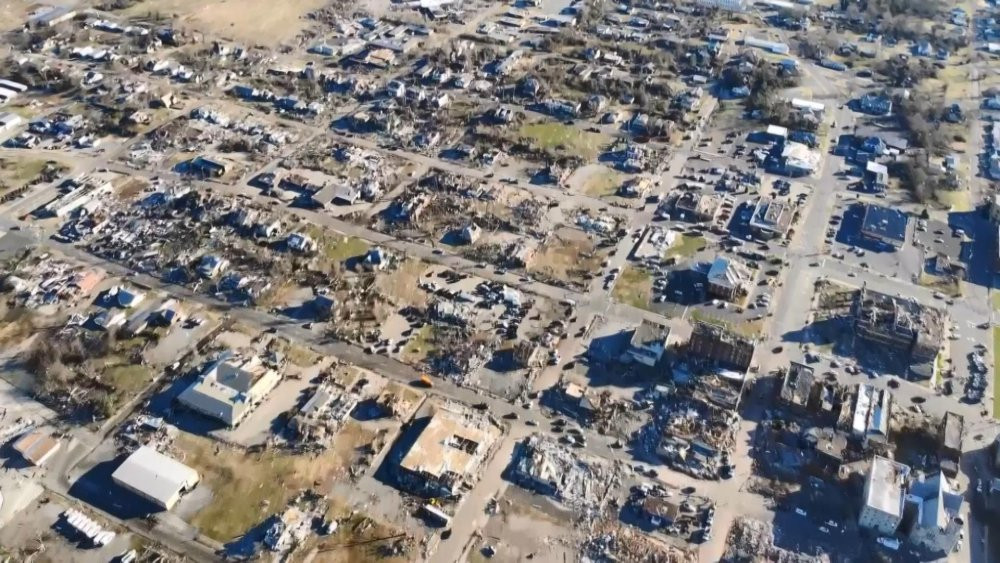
point(567, 255)
point(248, 487)
point(255, 22)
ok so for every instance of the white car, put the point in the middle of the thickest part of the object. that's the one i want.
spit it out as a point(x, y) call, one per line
point(890, 543)
point(824, 529)
point(800, 512)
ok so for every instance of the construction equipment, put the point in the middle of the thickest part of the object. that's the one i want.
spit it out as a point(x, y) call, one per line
point(425, 381)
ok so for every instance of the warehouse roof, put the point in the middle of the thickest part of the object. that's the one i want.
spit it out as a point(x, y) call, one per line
point(155, 475)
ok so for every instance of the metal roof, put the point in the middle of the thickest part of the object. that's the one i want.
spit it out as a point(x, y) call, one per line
point(155, 475)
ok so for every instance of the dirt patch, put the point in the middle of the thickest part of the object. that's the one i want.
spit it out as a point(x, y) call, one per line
point(359, 538)
point(597, 180)
point(255, 22)
point(249, 487)
point(401, 284)
point(567, 255)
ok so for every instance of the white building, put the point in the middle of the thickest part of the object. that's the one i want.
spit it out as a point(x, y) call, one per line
point(155, 477)
point(9, 121)
point(730, 5)
point(872, 410)
point(807, 105)
point(648, 342)
point(230, 388)
point(799, 159)
point(935, 507)
point(882, 510)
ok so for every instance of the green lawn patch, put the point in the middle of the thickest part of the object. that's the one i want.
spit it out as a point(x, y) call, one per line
point(420, 345)
point(333, 247)
point(956, 200)
point(603, 183)
point(560, 137)
point(949, 286)
point(996, 373)
point(634, 287)
point(686, 247)
point(752, 329)
point(127, 379)
point(19, 171)
point(995, 299)
point(248, 487)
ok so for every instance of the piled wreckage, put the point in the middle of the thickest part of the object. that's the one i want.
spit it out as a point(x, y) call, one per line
point(549, 468)
point(753, 540)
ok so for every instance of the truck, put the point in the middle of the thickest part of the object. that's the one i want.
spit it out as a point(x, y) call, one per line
point(425, 381)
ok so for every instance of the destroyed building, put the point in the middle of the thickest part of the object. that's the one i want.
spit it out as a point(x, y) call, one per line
point(870, 415)
point(542, 465)
point(716, 344)
point(696, 436)
point(697, 207)
point(950, 443)
point(447, 455)
point(323, 414)
point(931, 514)
point(900, 325)
point(798, 385)
point(728, 278)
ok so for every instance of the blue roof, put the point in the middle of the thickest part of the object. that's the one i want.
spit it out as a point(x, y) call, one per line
point(885, 223)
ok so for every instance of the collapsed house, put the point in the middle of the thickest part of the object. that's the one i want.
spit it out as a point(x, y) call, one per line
point(542, 465)
point(696, 437)
point(323, 414)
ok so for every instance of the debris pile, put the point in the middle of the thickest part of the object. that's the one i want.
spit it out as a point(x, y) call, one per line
point(753, 540)
point(319, 419)
point(693, 436)
point(547, 467)
point(612, 542)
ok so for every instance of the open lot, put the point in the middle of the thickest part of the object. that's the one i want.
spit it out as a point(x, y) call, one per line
point(255, 22)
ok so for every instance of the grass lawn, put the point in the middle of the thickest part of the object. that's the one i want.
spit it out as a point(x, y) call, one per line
point(334, 247)
point(420, 345)
point(127, 379)
point(948, 286)
point(124, 378)
point(247, 488)
point(745, 328)
point(996, 373)
point(19, 171)
point(634, 287)
point(551, 135)
point(995, 299)
point(956, 200)
point(686, 247)
point(602, 183)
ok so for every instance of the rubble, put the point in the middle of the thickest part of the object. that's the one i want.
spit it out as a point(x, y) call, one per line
point(544, 466)
point(751, 540)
